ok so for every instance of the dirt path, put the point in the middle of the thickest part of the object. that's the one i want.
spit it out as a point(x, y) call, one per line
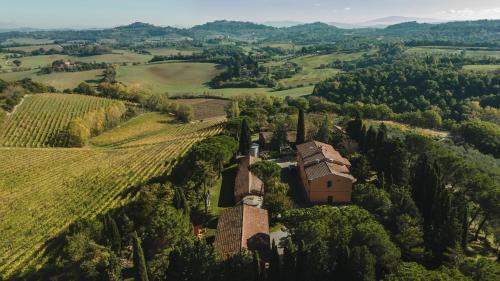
point(17, 105)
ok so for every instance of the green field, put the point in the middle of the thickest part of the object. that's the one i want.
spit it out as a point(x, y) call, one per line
point(311, 72)
point(454, 51)
point(43, 190)
point(485, 68)
point(174, 78)
point(118, 57)
point(169, 52)
point(59, 80)
point(39, 119)
point(36, 47)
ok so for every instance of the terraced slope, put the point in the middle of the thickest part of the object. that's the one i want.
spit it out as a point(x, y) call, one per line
point(39, 119)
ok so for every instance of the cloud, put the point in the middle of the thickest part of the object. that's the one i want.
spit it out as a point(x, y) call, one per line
point(317, 5)
point(468, 13)
point(347, 8)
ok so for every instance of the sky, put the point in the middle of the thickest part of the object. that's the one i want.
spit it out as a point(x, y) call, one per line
point(108, 13)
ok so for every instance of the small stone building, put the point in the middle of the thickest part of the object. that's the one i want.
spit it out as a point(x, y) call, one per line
point(246, 182)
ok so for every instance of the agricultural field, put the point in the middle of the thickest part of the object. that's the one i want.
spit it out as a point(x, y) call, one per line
point(38, 203)
point(485, 68)
point(31, 48)
point(41, 118)
point(174, 77)
point(311, 72)
point(27, 41)
point(455, 51)
point(59, 80)
point(206, 108)
point(169, 52)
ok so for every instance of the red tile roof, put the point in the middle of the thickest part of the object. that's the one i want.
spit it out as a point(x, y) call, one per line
point(321, 159)
point(246, 182)
point(242, 227)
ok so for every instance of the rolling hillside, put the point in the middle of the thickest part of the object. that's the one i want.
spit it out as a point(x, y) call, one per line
point(44, 190)
point(40, 119)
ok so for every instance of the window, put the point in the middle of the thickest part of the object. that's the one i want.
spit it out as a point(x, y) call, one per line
point(329, 184)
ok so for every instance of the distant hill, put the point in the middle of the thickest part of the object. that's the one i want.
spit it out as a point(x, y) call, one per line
point(474, 33)
point(280, 24)
point(387, 21)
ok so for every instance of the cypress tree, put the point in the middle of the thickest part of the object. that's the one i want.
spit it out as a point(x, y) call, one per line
point(371, 138)
point(257, 266)
point(245, 138)
point(301, 128)
point(115, 235)
point(288, 261)
point(354, 128)
point(274, 266)
point(140, 269)
point(465, 227)
point(301, 265)
point(184, 203)
point(362, 138)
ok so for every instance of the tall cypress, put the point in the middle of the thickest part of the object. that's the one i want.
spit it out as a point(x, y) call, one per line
point(274, 266)
point(245, 138)
point(140, 269)
point(257, 266)
point(301, 269)
point(115, 235)
point(288, 261)
point(301, 128)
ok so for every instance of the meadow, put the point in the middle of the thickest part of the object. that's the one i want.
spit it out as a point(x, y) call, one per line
point(485, 68)
point(44, 190)
point(59, 80)
point(174, 77)
point(311, 68)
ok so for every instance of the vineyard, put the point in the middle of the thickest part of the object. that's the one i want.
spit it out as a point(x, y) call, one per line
point(44, 190)
point(41, 120)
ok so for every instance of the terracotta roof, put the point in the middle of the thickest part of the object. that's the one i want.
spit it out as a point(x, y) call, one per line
point(242, 227)
point(246, 182)
point(321, 159)
point(315, 151)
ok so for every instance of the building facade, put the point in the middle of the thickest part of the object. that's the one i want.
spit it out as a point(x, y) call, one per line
point(324, 173)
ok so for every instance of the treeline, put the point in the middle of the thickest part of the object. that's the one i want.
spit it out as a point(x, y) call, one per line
point(68, 66)
point(79, 50)
point(11, 93)
point(93, 123)
point(155, 102)
point(452, 196)
point(410, 86)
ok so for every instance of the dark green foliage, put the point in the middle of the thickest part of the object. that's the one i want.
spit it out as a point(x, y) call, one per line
point(257, 267)
point(331, 233)
point(485, 136)
point(274, 264)
point(267, 171)
point(373, 199)
point(289, 265)
point(362, 264)
point(408, 86)
point(192, 260)
point(140, 269)
point(245, 138)
point(440, 210)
